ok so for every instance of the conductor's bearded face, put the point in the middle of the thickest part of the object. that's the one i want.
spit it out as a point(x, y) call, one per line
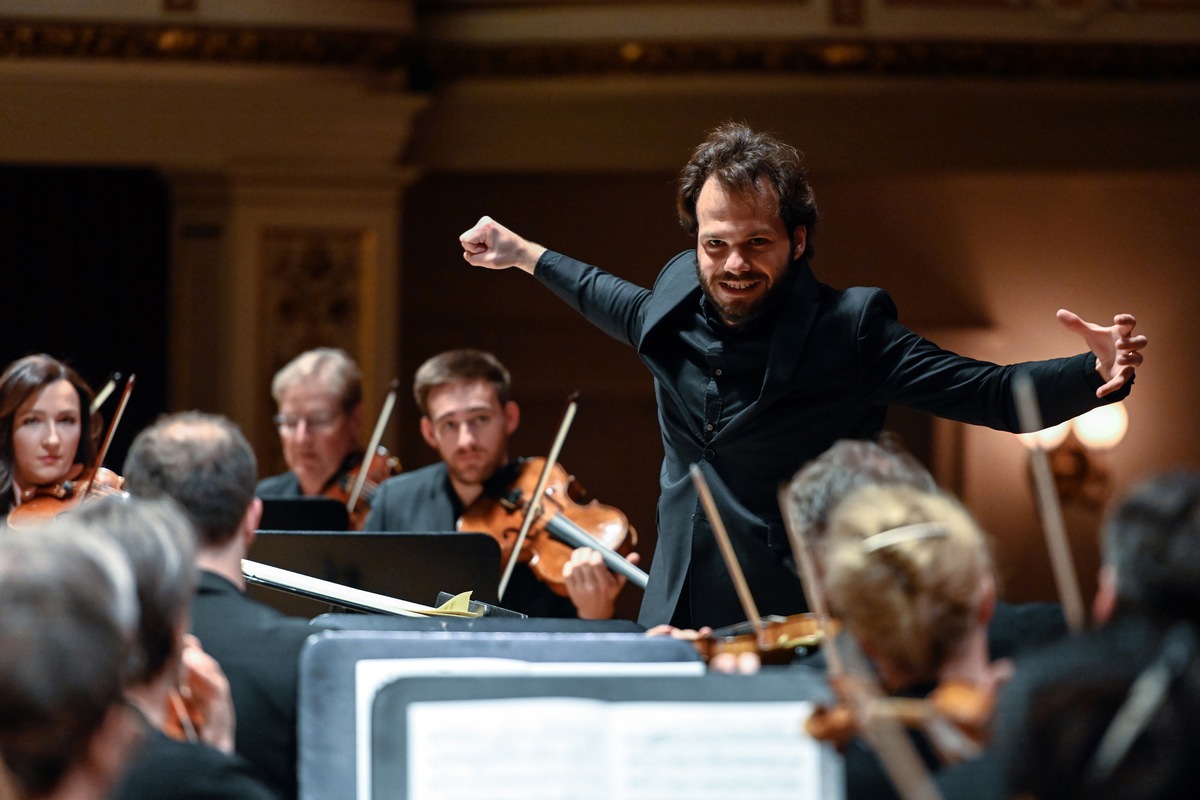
point(742, 250)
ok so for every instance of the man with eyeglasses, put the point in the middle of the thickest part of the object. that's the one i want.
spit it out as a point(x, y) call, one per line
point(319, 396)
point(467, 416)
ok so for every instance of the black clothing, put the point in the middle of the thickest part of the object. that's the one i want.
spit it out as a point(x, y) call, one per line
point(750, 416)
point(165, 769)
point(258, 648)
point(424, 500)
point(286, 484)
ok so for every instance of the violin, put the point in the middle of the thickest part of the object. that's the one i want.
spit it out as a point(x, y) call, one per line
point(40, 504)
point(776, 641)
point(956, 717)
point(380, 466)
point(561, 525)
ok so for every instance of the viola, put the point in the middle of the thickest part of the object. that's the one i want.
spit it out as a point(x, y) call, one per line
point(560, 525)
point(40, 504)
point(379, 467)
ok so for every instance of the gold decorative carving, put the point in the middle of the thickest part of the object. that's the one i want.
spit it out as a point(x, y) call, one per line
point(22, 39)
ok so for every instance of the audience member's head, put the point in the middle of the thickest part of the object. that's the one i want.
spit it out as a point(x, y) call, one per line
point(69, 614)
point(909, 572)
point(1151, 550)
point(202, 462)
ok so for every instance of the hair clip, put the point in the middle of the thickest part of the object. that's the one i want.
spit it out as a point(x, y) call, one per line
point(905, 533)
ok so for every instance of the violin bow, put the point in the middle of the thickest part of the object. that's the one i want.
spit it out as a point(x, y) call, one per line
point(814, 592)
point(535, 499)
point(1053, 527)
point(727, 553)
point(385, 414)
point(104, 392)
point(108, 437)
point(882, 731)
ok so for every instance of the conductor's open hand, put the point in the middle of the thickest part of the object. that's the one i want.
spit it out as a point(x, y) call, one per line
point(1116, 349)
point(490, 244)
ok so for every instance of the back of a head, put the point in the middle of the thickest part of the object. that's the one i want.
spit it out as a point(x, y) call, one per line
point(1114, 730)
point(1152, 541)
point(160, 544)
point(905, 570)
point(68, 617)
point(202, 462)
point(848, 465)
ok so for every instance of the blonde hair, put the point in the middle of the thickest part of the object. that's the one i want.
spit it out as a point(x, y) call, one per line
point(910, 594)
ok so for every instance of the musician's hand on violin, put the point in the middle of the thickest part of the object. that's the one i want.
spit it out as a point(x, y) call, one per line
point(490, 244)
point(683, 634)
point(206, 691)
point(592, 587)
point(744, 663)
point(1116, 349)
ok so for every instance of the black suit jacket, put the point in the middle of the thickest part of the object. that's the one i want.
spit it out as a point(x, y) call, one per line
point(259, 650)
point(837, 359)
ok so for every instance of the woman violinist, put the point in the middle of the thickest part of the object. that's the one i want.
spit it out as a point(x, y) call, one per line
point(48, 435)
point(320, 419)
point(909, 574)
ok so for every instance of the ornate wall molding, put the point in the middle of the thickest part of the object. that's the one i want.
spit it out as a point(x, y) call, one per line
point(1005, 60)
point(162, 42)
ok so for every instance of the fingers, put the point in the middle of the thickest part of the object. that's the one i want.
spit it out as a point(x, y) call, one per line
point(747, 663)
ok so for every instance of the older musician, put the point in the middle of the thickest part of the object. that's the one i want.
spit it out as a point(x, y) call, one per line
point(319, 400)
point(204, 463)
point(47, 431)
point(467, 416)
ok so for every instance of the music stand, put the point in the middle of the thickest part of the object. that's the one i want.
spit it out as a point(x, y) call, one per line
point(410, 566)
point(304, 514)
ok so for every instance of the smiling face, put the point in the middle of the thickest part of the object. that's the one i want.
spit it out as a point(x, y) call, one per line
point(469, 428)
point(45, 436)
point(742, 249)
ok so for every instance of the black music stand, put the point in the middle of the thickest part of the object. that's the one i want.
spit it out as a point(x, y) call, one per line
point(304, 514)
point(409, 566)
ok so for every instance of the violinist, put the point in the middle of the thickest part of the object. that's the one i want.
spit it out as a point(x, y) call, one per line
point(47, 433)
point(910, 575)
point(468, 417)
point(319, 419)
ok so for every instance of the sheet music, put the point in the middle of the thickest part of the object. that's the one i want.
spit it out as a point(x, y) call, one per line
point(582, 749)
point(371, 674)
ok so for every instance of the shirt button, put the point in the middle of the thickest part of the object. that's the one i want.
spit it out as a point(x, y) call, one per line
point(708, 427)
point(709, 454)
point(717, 372)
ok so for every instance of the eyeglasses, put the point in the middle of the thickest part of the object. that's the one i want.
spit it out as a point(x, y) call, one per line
point(316, 423)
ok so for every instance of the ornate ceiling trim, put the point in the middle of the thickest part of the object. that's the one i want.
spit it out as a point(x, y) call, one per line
point(161, 42)
point(439, 64)
point(435, 63)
